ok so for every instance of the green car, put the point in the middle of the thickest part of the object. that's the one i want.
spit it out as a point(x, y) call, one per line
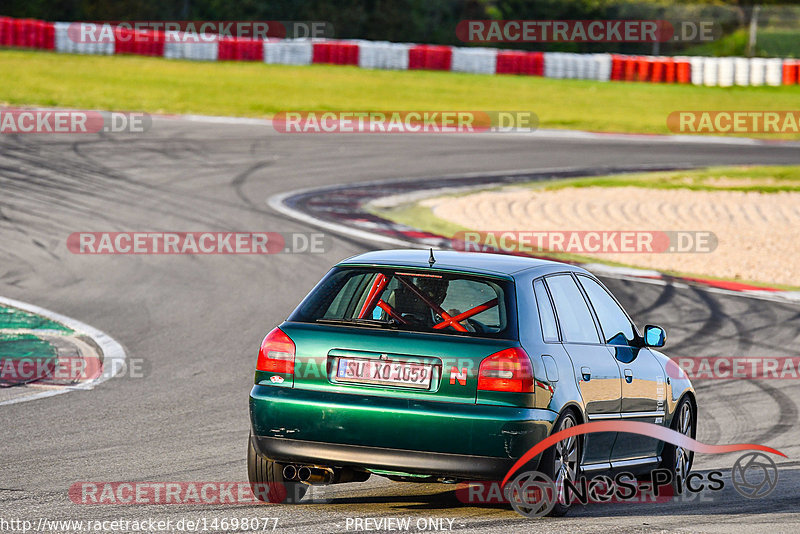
point(449, 366)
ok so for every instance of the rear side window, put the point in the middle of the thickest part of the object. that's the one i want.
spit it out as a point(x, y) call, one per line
point(546, 315)
point(577, 323)
point(421, 301)
point(617, 328)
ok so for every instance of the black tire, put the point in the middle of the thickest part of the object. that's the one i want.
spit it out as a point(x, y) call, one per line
point(552, 461)
point(266, 479)
point(675, 458)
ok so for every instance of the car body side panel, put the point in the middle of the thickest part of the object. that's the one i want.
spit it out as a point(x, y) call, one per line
point(678, 384)
point(644, 399)
point(601, 392)
point(599, 396)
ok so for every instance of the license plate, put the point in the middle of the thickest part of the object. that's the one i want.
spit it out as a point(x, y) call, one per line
point(384, 372)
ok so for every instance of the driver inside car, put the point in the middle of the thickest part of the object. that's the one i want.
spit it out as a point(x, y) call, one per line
point(416, 310)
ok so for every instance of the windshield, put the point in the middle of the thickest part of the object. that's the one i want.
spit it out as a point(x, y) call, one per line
point(405, 299)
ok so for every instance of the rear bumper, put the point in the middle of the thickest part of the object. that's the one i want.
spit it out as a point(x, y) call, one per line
point(399, 460)
point(392, 434)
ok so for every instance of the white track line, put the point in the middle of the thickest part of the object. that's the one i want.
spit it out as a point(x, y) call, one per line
point(276, 202)
point(113, 354)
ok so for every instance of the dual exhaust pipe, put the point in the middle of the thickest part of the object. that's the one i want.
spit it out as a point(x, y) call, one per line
point(317, 475)
point(308, 474)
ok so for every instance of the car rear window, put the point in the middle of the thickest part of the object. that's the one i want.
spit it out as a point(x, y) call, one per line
point(414, 300)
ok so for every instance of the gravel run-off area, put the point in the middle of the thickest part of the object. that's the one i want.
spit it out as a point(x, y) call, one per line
point(758, 234)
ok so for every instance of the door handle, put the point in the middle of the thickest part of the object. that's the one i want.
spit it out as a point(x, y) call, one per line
point(628, 376)
point(586, 373)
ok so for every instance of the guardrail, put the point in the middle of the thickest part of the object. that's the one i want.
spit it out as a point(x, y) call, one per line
point(708, 71)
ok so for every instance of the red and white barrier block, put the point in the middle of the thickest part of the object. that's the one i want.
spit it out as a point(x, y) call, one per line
point(383, 55)
point(77, 38)
point(26, 33)
point(791, 71)
point(474, 60)
point(288, 52)
point(334, 52)
point(204, 49)
point(655, 69)
point(524, 63)
point(578, 66)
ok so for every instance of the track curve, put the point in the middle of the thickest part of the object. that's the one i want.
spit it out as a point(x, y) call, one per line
point(198, 320)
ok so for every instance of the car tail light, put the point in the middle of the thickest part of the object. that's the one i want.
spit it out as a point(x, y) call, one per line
point(507, 370)
point(277, 353)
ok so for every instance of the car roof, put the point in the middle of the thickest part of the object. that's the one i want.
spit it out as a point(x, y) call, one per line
point(472, 262)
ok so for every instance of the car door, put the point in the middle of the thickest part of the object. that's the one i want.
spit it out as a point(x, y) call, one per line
point(643, 388)
point(595, 371)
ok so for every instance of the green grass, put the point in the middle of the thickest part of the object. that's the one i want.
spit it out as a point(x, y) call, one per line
point(774, 178)
point(160, 85)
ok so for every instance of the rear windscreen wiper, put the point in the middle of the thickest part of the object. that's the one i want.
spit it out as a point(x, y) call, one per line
point(360, 322)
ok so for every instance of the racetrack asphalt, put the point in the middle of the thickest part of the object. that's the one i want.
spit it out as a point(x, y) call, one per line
point(198, 320)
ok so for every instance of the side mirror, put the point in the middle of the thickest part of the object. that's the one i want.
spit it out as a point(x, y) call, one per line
point(654, 336)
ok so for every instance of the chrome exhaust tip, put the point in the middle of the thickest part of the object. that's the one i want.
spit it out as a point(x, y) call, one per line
point(289, 472)
point(303, 473)
point(315, 475)
point(320, 475)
